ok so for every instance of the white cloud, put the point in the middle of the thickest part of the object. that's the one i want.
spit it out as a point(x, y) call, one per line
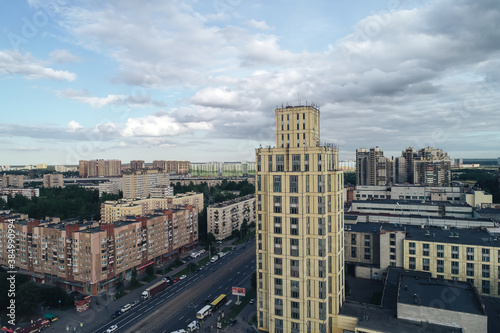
point(82, 96)
point(74, 126)
point(259, 25)
point(62, 56)
point(14, 63)
point(161, 124)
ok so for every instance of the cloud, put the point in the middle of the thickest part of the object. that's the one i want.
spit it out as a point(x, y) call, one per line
point(82, 96)
point(74, 126)
point(161, 124)
point(259, 25)
point(62, 56)
point(14, 63)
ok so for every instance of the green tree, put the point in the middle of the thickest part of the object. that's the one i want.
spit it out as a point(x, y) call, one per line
point(150, 271)
point(134, 281)
point(27, 298)
point(253, 280)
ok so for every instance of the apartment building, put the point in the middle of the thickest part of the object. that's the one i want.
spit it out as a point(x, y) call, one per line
point(173, 167)
point(112, 186)
point(410, 192)
point(115, 210)
point(300, 247)
point(411, 207)
point(90, 258)
point(99, 168)
point(227, 216)
point(138, 184)
point(26, 192)
point(137, 165)
point(470, 255)
point(51, 180)
point(372, 168)
point(16, 181)
point(223, 169)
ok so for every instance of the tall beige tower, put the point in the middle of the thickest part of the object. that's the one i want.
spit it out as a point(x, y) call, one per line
point(300, 227)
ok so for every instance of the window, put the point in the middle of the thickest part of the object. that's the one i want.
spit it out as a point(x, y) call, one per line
point(294, 184)
point(294, 268)
point(294, 205)
point(295, 162)
point(392, 236)
point(440, 266)
point(321, 183)
point(280, 162)
point(294, 247)
point(440, 251)
point(486, 255)
point(470, 269)
point(454, 267)
point(277, 204)
point(294, 223)
point(277, 245)
point(277, 183)
point(353, 252)
point(270, 163)
point(411, 248)
point(258, 165)
point(306, 162)
point(454, 252)
point(319, 162)
point(425, 264)
point(259, 182)
point(425, 249)
point(353, 239)
point(486, 271)
point(485, 286)
point(367, 254)
point(412, 262)
point(470, 253)
point(295, 290)
point(367, 240)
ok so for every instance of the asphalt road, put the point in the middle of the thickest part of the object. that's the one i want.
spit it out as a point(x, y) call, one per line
point(175, 307)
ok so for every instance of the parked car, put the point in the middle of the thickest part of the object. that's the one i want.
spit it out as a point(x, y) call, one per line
point(112, 329)
point(251, 301)
point(135, 303)
point(176, 280)
point(182, 277)
point(116, 314)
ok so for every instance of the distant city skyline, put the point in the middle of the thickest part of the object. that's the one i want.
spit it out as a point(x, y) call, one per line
point(200, 81)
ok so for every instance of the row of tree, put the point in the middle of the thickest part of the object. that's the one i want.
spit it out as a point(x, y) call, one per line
point(68, 202)
point(485, 179)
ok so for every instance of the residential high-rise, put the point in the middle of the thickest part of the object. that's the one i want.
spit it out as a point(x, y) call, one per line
point(13, 181)
point(136, 165)
point(53, 180)
point(138, 184)
point(372, 168)
point(300, 246)
point(96, 168)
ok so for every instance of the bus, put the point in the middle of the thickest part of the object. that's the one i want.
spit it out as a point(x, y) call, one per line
point(218, 302)
point(203, 312)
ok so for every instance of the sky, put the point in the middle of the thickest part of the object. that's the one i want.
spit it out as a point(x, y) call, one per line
point(200, 80)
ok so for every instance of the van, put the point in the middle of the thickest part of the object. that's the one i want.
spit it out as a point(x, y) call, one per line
point(126, 307)
point(192, 326)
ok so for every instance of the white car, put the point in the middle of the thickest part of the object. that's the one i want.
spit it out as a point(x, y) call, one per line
point(112, 329)
point(125, 308)
point(182, 277)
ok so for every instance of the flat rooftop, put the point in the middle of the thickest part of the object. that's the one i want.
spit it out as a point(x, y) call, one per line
point(410, 202)
point(441, 294)
point(431, 233)
point(375, 318)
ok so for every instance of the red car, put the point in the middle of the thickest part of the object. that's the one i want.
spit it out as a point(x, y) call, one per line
point(176, 280)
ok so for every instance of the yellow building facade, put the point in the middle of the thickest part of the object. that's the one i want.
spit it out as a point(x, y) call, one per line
point(300, 245)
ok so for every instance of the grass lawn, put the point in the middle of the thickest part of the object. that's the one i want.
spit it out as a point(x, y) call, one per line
point(236, 309)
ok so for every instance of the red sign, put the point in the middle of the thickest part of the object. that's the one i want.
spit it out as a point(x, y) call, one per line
point(238, 291)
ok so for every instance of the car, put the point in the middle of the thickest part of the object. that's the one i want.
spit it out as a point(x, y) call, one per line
point(167, 279)
point(112, 329)
point(232, 321)
point(134, 303)
point(183, 261)
point(125, 308)
point(251, 301)
point(197, 270)
point(207, 301)
point(182, 277)
point(116, 314)
point(176, 280)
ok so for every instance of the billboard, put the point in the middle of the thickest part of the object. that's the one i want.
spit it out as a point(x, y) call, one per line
point(238, 291)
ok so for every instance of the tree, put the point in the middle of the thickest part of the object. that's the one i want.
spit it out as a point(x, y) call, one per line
point(134, 281)
point(27, 298)
point(253, 280)
point(150, 271)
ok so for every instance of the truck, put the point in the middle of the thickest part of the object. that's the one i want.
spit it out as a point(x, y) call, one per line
point(153, 290)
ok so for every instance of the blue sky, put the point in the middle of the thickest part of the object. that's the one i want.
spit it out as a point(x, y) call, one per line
point(200, 80)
